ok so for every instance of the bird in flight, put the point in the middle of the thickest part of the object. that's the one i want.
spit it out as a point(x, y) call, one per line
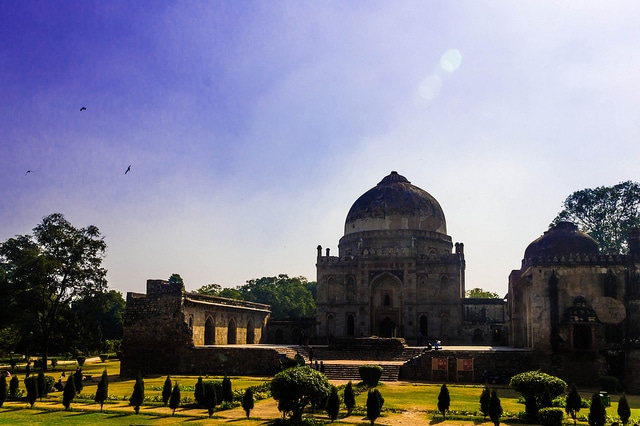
point(128, 169)
point(83, 109)
point(28, 171)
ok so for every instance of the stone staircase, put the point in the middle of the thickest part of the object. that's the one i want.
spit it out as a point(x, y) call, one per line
point(340, 371)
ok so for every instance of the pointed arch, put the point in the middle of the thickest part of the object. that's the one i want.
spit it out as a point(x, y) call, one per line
point(251, 334)
point(231, 332)
point(209, 331)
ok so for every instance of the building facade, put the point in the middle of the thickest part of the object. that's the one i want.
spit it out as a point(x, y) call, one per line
point(397, 272)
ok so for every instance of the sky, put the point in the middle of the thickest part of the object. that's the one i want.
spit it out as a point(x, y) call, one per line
point(251, 127)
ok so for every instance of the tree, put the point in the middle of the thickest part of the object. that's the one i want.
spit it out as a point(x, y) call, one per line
point(137, 397)
point(198, 392)
point(297, 387)
point(210, 399)
point(624, 411)
point(349, 397)
point(31, 385)
point(485, 398)
point(478, 293)
point(444, 400)
point(41, 384)
point(176, 279)
point(288, 297)
point(333, 404)
point(14, 387)
point(374, 407)
point(597, 411)
point(166, 390)
point(532, 384)
point(102, 391)
point(545, 401)
point(46, 271)
point(96, 319)
point(573, 402)
point(3, 389)
point(227, 390)
point(247, 401)
point(495, 408)
point(69, 392)
point(174, 400)
point(606, 213)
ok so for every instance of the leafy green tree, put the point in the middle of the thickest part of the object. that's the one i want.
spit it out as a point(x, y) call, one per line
point(96, 319)
point(607, 213)
point(227, 390)
point(102, 391)
point(137, 397)
point(198, 392)
point(288, 297)
point(495, 408)
point(374, 407)
point(573, 402)
point(297, 387)
point(3, 390)
point(69, 392)
point(478, 293)
point(176, 279)
point(166, 390)
point(31, 385)
point(349, 397)
point(174, 400)
point(624, 411)
point(49, 269)
point(597, 411)
point(247, 401)
point(210, 399)
point(333, 404)
point(485, 398)
point(532, 384)
point(444, 400)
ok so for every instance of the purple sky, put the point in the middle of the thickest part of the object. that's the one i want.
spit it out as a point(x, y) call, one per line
point(251, 127)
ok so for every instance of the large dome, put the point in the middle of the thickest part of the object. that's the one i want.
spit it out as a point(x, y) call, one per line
point(562, 239)
point(395, 204)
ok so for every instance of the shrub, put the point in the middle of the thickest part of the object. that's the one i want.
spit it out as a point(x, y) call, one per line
point(81, 359)
point(227, 390)
point(444, 400)
point(77, 378)
point(624, 412)
point(247, 401)
point(137, 397)
point(3, 389)
point(532, 385)
point(174, 400)
point(297, 387)
point(573, 403)
point(333, 404)
point(597, 411)
point(485, 397)
point(349, 397)
point(102, 391)
point(550, 416)
point(54, 362)
point(209, 398)
point(374, 406)
point(14, 387)
point(198, 393)
point(69, 392)
point(370, 374)
point(610, 384)
point(31, 384)
point(495, 408)
point(166, 390)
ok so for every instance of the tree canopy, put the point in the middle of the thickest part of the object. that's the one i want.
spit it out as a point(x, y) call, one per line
point(297, 387)
point(478, 293)
point(606, 213)
point(43, 273)
point(288, 296)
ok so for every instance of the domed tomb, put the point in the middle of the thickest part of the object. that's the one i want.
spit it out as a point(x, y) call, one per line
point(562, 239)
point(395, 204)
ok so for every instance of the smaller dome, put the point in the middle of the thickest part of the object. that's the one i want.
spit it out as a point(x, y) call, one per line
point(562, 239)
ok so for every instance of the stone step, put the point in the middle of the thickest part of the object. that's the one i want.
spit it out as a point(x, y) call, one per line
point(336, 371)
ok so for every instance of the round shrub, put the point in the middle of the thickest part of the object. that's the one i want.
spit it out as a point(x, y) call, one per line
point(551, 416)
point(370, 374)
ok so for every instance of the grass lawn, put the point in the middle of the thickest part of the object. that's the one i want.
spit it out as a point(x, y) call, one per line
point(405, 403)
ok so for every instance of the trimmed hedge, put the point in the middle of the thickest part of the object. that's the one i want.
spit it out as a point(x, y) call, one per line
point(370, 374)
point(551, 416)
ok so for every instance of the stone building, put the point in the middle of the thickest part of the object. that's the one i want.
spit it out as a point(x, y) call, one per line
point(169, 330)
point(577, 308)
point(397, 272)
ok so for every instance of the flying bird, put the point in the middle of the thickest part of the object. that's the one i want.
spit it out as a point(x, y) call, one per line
point(83, 109)
point(128, 169)
point(28, 171)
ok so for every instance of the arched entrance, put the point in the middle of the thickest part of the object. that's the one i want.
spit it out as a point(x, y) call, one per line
point(231, 333)
point(209, 332)
point(250, 333)
point(351, 325)
point(388, 328)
